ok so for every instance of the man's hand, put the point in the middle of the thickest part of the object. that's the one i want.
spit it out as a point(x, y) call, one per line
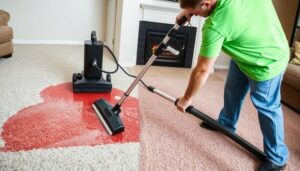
point(183, 103)
point(197, 79)
point(185, 13)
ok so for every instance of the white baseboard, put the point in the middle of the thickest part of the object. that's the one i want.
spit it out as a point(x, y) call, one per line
point(127, 64)
point(50, 42)
point(221, 66)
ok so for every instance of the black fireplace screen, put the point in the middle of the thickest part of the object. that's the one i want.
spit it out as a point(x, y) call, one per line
point(151, 34)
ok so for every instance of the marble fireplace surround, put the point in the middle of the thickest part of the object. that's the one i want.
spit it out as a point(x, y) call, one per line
point(122, 34)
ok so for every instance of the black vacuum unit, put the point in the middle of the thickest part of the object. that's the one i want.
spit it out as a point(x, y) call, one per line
point(91, 79)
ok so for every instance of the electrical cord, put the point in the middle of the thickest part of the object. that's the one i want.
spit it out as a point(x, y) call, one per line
point(106, 72)
point(117, 67)
point(130, 75)
point(115, 59)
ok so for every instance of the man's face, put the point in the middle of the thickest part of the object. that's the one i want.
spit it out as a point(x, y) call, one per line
point(204, 8)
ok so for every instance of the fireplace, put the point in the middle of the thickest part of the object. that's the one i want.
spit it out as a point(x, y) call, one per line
point(152, 33)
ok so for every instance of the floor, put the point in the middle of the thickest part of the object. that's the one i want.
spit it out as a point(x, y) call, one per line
point(24, 83)
point(25, 80)
point(176, 73)
point(37, 74)
point(171, 140)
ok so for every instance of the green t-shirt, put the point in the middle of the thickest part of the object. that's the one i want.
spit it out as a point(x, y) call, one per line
point(250, 32)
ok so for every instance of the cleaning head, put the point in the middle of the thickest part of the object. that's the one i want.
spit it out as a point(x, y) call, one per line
point(109, 116)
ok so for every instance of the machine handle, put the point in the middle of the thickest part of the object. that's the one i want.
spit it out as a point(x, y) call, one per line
point(182, 20)
point(93, 37)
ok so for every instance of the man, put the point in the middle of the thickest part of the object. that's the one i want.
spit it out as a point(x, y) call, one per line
point(249, 31)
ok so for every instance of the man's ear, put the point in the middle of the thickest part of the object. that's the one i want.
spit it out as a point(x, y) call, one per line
point(205, 5)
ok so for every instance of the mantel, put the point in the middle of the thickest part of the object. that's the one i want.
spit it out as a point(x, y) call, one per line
point(160, 5)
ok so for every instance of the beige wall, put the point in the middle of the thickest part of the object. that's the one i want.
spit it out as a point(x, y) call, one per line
point(286, 10)
point(56, 20)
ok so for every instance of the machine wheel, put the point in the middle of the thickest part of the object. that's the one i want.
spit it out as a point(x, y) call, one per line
point(79, 76)
point(108, 77)
point(74, 78)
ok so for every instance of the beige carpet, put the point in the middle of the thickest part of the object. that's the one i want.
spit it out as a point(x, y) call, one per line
point(171, 140)
point(22, 77)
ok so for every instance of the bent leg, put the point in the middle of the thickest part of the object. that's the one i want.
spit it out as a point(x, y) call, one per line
point(236, 88)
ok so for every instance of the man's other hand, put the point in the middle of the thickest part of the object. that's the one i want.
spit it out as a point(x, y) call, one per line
point(185, 13)
point(183, 103)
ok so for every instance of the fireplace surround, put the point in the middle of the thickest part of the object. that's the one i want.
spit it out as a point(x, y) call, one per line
point(151, 33)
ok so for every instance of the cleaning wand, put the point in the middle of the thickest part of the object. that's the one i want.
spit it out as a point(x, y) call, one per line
point(108, 115)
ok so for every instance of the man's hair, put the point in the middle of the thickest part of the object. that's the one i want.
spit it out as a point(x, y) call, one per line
point(189, 3)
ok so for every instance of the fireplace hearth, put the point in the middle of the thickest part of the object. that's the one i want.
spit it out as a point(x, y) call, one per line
point(152, 33)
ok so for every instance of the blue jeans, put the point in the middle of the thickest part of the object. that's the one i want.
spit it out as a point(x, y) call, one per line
point(266, 97)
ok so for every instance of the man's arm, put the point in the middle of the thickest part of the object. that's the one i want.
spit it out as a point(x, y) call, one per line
point(199, 75)
point(197, 79)
point(212, 42)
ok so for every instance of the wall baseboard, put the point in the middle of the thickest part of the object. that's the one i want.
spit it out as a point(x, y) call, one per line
point(221, 67)
point(70, 42)
point(49, 42)
point(127, 64)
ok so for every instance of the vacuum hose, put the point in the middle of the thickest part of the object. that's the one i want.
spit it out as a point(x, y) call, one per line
point(215, 124)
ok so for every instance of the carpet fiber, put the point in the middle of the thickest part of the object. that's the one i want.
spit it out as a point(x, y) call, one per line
point(171, 140)
point(39, 135)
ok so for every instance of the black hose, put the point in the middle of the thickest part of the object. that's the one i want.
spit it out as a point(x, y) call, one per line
point(118, 66)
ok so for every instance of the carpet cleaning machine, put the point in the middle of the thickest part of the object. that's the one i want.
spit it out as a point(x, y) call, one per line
point(91, 79)
point(109, 115)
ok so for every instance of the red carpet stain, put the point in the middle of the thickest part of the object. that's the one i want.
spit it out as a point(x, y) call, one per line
point(66, 119)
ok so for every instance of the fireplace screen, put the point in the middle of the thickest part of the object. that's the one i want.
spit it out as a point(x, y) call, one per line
point(151, 34)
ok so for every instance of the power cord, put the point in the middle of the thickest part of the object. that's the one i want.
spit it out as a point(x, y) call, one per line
point(117, 67)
